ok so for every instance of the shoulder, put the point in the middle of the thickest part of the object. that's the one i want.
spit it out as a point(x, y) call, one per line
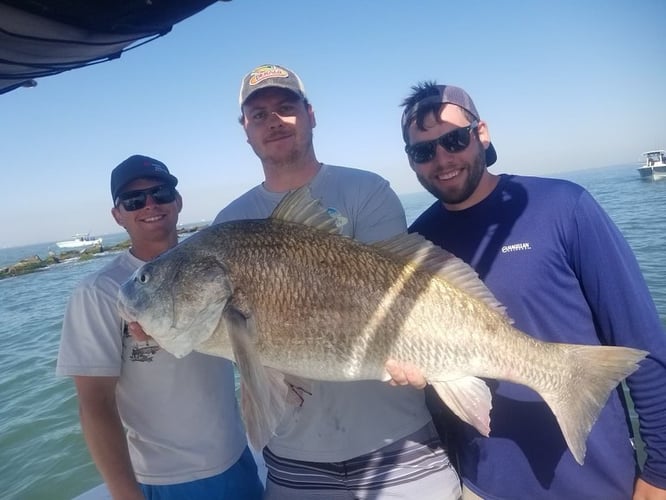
point(366, 206)
point(357, 175)
point(352, 184)
point(540, 197)
point(111, 276)
point(543, 186)
point(246, 206)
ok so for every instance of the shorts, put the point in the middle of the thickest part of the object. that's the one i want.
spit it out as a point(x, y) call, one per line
point(238, 481)
point(415, 466)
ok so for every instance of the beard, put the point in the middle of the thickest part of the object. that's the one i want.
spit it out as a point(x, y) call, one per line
point(454, 196)
point(287, 158)
point(283, 160)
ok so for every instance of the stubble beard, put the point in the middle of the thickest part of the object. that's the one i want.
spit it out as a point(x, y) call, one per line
point(455, 196)
point(291, 158)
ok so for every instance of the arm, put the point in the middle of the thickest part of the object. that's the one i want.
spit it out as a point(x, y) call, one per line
point(625, 312)
point(105, 436)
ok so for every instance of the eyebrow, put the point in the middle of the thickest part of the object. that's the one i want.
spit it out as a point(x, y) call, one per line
point(286, 99)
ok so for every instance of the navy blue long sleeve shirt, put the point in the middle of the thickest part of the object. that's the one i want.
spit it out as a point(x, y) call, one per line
point(554, 258)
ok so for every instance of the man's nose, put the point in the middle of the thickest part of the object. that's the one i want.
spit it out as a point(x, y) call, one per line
point(150, 201)
point(275, 120)
point(442, 155)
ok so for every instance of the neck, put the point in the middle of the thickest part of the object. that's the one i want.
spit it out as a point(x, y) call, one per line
point(486, 186)
point(286, 177)
point(148, 250)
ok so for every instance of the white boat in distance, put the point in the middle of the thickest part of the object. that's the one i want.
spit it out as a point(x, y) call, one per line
point(79, 241)
point(654, 166)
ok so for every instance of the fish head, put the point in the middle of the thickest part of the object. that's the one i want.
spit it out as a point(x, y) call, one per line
point(178, 298)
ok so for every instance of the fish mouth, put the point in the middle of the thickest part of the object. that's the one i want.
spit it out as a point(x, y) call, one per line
point(126, 312)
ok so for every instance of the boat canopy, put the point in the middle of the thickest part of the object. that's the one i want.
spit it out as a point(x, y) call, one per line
point(39, 38)
point(658, 155)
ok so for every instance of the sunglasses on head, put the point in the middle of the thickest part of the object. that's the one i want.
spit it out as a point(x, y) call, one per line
point(136, 200)
point(453, 142)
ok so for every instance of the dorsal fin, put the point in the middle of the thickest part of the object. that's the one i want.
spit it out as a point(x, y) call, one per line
point(424, 255)
point(299, 206)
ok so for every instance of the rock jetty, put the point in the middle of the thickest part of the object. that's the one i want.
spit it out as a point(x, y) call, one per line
point(37, 263)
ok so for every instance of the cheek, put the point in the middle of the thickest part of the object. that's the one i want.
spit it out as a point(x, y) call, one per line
point(479, 154)
point(253, 134)
point(419, 168)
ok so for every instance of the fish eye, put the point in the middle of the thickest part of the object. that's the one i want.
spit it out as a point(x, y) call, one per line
point(143, 277)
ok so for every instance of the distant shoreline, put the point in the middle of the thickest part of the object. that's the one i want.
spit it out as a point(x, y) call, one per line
point(36, 263)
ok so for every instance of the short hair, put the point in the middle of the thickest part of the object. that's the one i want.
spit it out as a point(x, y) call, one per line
point(421, 91)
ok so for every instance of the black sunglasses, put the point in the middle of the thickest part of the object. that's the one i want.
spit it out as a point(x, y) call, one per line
point(136, 200)
point(454, 141)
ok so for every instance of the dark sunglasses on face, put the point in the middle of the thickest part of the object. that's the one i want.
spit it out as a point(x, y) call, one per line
point(454, 141)
point(136, 200)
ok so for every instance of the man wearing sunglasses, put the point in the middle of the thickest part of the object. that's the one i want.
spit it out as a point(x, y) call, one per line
point(156, 426)
point(554, 258)
point(340, 440)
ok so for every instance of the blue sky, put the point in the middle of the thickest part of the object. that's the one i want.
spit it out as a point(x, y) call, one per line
point(563, 85)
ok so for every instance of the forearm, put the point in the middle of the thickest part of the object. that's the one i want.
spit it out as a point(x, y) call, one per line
point(105, 437)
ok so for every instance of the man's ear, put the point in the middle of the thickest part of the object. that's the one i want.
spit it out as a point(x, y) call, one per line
point(179, 201)
point(118, 216)
point(311, 114)
point(484, 134)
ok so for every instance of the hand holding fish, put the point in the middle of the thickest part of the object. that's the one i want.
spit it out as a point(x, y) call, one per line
point(405, 374)
point(645, 491)
point(137, 332)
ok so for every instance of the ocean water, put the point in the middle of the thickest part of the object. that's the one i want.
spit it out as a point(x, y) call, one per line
point(42, 452)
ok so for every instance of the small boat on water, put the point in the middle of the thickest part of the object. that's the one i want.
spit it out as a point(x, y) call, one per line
point(79, 241)
point(654, 166)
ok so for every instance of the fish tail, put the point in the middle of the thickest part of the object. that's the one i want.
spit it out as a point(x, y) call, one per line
point(594, 372)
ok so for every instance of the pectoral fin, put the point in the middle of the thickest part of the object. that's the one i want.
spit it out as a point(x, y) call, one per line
point(263, 390)
point(469, 398)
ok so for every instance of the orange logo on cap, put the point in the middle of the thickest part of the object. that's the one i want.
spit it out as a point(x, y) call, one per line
point(262, 73)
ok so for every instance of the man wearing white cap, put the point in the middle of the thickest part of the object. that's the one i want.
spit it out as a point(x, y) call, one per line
point(345, 440)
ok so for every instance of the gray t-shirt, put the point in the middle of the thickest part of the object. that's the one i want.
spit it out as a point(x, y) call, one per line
point(342, 420)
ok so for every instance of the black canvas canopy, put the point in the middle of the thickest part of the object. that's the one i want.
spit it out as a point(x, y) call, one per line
point(39, 38)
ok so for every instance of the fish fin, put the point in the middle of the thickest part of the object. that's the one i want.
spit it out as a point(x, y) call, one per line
point(595, 371)
point(300, 207)
point(424, 255)
point(263, 391)
point(469, 398)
